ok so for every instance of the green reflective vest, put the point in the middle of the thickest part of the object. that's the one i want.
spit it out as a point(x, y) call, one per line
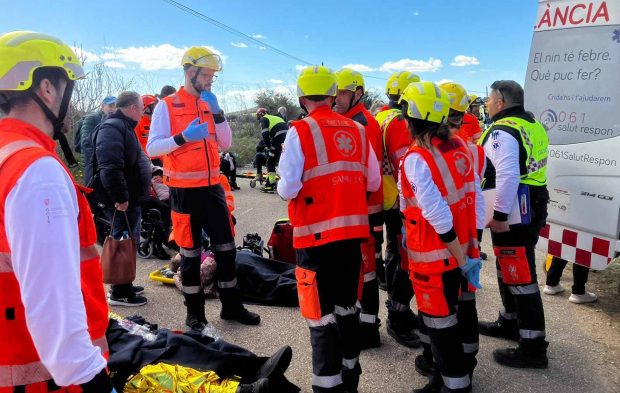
point(273, 120)
point(535, 141)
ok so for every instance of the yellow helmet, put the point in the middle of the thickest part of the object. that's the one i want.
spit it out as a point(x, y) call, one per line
point(22, 52)
point(459, 100)
point(349, 79)
point(202, 57)
point(472, 98)
point(317, 81)
point(426, 101)
point(398, 81)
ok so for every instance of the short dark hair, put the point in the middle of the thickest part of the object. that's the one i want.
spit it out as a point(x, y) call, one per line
point(420, 129)
point(127, 99)
point(166, 91)
point(511, 92)
point(11, 99)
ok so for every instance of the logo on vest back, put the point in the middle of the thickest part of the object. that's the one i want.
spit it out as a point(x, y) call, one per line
point(462, 162)
point(345, 143)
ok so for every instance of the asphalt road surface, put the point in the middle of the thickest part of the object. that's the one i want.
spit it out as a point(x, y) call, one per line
point(584, 346)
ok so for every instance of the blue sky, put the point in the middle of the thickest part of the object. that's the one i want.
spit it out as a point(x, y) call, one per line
point(470, 42)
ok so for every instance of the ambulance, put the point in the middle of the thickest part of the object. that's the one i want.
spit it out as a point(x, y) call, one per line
point(572, 86)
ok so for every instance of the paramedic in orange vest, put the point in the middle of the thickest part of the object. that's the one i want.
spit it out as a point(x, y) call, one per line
point(470, 129)
point(327, 167)
point(53, 302)
point(349, 104)
point(438, 196)
point(187, 129)
point(401, 321)
point(467, 313)
point(144, 125)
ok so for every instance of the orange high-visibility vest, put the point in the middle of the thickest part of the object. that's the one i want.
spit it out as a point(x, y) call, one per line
point(375, 136)
point(452, 169)
point(195, 164)
point(21, 144)
point(142, 131)
point(331, 204)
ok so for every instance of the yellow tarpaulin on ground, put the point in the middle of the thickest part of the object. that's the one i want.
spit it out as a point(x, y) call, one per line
point(169, 378)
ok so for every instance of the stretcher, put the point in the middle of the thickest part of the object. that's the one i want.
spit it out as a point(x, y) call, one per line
point(164, 275)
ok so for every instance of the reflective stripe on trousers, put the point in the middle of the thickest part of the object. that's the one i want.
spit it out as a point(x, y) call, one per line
point(328, 381)
point(440, 322)
point(456, 382)
point(524, 289)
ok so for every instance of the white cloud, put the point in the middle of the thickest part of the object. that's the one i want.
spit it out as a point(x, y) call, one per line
point(300, 67)
point(238, 44)
point(463, 61)
point(439, 82)
point(416, 13)
point(262, 48)
point(359, 67)
point(276, 81)
point(150, 58)
point(258, 36)
point(430, 65)
point(114, 64)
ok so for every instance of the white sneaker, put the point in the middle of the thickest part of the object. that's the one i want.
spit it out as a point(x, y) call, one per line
point(553, 290)
point(587, 297)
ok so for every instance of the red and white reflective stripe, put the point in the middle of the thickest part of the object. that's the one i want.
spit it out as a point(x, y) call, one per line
point(395, 156)
point(199, 175)
point(582, 248)
point(437, 255)
point(334, 167)
point(86, 254)
point(374, 209)
point(319, 142)
point(11, 148)
point(27, 374)
point(333, 223)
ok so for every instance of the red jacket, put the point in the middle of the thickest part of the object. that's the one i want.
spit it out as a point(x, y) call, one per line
point(331, 204)
point(452, 170)
point(195, 164)
point(21, 144)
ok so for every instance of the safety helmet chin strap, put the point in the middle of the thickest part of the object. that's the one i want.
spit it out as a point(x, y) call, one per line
point(351, 103)
point(195, 78)
point(58, 121)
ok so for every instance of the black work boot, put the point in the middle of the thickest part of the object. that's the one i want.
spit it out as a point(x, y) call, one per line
point(400, 330)
point(522, 356)
point(351, 378)
point(260, 386)
point(502, 328)
point(434, 385)
point(277, 364)
point(424, 366)
point(412, 320)
point(195, 319)
point(369, 335)
point(239, 314)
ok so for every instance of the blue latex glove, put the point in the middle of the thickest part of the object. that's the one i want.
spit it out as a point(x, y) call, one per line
point(403, 232)
point(210, 99)
point(196, 131)
point(471, 271)
point(113, 390)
